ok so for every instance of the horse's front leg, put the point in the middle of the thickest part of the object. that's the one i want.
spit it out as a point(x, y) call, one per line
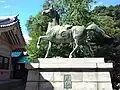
point(42, 38)
point(75, 48)
point(38, 43)
point(49, 46)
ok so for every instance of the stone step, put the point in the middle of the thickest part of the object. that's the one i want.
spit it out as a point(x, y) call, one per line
point(72, 65)
point(79, 65)
point(70, 60)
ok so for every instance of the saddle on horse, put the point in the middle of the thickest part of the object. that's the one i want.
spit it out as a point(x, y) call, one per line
point(64, 30)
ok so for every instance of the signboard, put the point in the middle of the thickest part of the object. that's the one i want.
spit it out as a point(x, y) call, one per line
point(67, 81)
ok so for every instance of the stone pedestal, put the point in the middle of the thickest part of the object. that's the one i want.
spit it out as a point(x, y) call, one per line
point(69, 74)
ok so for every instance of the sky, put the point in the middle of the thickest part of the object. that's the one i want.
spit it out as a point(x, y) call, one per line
point(26, 8)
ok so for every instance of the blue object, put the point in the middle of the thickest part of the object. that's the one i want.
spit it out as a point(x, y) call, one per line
point(24, 59)
point(16, 54)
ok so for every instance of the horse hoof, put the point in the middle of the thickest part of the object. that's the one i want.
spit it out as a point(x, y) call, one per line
point(70, 56)
point(38, 47)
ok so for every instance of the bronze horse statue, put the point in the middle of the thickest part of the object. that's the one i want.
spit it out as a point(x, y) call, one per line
point(66, 33)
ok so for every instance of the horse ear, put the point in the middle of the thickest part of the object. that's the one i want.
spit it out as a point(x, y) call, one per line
point(90, 23)
point(93, 22)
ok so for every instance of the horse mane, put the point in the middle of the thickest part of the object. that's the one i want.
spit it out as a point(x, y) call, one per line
point(55, 15)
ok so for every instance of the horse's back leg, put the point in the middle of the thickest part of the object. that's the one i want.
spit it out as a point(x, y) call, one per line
point(75, 48)
point(49, 46)
point(90, 48)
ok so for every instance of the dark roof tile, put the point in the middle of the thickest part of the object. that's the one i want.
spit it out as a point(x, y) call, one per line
point(6, 21)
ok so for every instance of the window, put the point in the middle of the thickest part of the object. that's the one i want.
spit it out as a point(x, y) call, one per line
point(4, 62)
point(1, 62)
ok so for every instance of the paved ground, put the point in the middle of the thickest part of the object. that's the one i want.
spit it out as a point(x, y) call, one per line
point(15, 84)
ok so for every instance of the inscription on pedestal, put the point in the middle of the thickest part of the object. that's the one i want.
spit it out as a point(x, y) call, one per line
point(67, 81)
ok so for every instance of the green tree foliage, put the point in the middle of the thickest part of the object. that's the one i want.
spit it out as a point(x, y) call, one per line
point(78, 12)
point(74, 12)
point(109, 20)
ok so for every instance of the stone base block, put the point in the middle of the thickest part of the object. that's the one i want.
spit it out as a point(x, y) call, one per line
point(61, 74)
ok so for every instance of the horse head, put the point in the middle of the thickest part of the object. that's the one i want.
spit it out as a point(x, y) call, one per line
point(52, 13)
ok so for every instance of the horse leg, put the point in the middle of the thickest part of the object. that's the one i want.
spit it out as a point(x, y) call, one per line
point(44, 38)
point(41, 38)
point(49, 46)
point(88, 44)
point(90, 49)
point(38, 43)
point(75, 48)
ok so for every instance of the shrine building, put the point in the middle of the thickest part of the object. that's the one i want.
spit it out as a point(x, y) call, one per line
point(11, 41)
